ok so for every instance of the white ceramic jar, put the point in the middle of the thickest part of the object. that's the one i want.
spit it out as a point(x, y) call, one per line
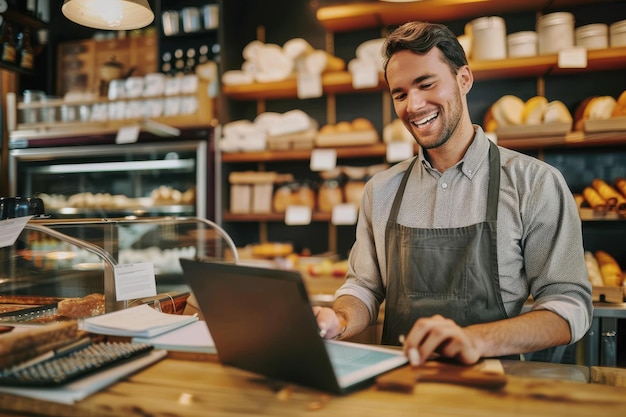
point(522, 44)
point(488, 38)
point(617, 32)
point(593, 36)
point(555, 32)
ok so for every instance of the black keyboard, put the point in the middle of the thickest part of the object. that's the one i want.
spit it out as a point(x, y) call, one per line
point(75, 364)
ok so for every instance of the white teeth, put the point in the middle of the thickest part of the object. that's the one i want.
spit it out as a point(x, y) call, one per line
point(425, 120)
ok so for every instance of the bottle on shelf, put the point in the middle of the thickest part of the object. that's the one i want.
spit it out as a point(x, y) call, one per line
point(25, 54)
point(7, 44)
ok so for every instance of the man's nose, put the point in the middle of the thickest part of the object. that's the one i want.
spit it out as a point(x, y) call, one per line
point(416, 100)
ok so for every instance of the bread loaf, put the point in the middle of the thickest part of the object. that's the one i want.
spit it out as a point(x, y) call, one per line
point(594, 199)
point(593, 269)
point(620, 106)
point(612, 274)
point(75, 308)
point(614, 199)
point(534, 108)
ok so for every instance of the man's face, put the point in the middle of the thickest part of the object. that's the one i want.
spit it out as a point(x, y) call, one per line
point(426, 96)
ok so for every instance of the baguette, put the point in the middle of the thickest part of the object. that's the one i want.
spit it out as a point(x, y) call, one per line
point(593, 269)
point(594, 199)
point(613, 198)
point(612, 274)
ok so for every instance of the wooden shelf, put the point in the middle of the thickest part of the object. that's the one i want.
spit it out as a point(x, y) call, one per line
point(338, 82)
point(571, 140)
point(316, 216)
point(371, 151)
point(333, 82)
point(362, 15)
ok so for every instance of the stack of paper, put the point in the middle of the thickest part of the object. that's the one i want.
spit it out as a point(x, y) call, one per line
point(193, 337)
point(140, 321)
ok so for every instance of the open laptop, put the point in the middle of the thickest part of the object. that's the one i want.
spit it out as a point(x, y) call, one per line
point(261, 320)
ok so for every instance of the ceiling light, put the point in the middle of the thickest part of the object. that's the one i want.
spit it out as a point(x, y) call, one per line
point(109, 14)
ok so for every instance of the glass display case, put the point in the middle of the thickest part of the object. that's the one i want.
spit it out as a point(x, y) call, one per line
point(142, 179)
point(54, 259)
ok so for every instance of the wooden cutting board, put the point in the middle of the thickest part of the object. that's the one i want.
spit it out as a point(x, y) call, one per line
point(487, 374)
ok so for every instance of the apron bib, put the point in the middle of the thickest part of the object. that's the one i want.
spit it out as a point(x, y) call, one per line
point(452, 272)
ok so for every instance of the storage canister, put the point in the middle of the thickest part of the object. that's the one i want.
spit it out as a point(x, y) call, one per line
point(522, 44)
point(555, 32)
point(594, 36)
point(618, 34)
point(488, 38)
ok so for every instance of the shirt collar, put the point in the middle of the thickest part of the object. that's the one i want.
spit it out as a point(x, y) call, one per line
point(476, 154)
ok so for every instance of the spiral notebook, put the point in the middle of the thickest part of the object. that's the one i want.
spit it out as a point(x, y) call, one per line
point(261, 320)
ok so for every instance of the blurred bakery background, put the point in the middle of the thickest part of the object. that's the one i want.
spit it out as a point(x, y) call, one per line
point(266, 119)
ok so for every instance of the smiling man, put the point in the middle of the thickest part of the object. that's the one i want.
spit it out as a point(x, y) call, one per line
point(457, 238)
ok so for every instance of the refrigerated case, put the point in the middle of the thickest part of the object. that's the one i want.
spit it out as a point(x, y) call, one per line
point(116, 180)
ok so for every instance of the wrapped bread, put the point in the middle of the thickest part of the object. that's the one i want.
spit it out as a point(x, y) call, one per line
point(612, 275)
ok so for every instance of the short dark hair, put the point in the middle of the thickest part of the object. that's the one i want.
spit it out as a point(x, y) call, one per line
point(420, 38)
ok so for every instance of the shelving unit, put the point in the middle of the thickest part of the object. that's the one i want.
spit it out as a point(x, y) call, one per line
point(364, 16)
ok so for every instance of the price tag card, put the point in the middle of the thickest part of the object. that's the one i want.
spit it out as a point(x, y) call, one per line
point(134, 281)
point(298, 215)
point(127, 134)
point(323, 159)
point(573, 58)
point(365, 77)
point(344, 214)
point(399, 151)
point(309, 85)
point(10, 230)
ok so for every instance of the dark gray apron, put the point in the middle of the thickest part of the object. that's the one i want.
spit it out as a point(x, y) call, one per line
point(452, 272)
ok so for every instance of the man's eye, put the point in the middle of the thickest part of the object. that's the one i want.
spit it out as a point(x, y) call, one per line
point(399, 97)
point(426, 86)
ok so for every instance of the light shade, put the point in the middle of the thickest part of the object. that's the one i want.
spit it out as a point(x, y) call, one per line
point(109, 14)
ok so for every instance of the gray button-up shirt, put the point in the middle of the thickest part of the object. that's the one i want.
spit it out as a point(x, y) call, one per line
point(540, 250)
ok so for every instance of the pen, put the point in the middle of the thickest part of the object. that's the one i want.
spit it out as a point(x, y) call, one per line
point(414, 355)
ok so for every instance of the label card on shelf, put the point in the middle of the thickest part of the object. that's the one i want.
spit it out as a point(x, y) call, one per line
point(344, 214)
point(399, 151)
point(298, 215)
point(365, 76)
point(323, 159)
point(127, 134)
point(309, 85)
point(10, 230)
point(573, 58)
point(134, 281)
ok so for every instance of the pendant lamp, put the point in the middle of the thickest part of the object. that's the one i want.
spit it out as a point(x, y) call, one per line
point(109, 14)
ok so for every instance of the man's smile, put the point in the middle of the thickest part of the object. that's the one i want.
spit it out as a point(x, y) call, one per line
point(421, 123)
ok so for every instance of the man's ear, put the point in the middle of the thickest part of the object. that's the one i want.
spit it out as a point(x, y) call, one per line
point(465, 78)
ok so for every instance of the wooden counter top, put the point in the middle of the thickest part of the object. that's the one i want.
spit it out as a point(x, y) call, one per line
point(175, 387)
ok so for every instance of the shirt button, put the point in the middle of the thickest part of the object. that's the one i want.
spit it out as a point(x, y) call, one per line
point(444, 185)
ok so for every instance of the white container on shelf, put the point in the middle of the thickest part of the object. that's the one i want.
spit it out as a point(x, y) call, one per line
point(617, 35)
point(555, 32)
point(488, 38)
point(522, 44)
point(593, 36)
